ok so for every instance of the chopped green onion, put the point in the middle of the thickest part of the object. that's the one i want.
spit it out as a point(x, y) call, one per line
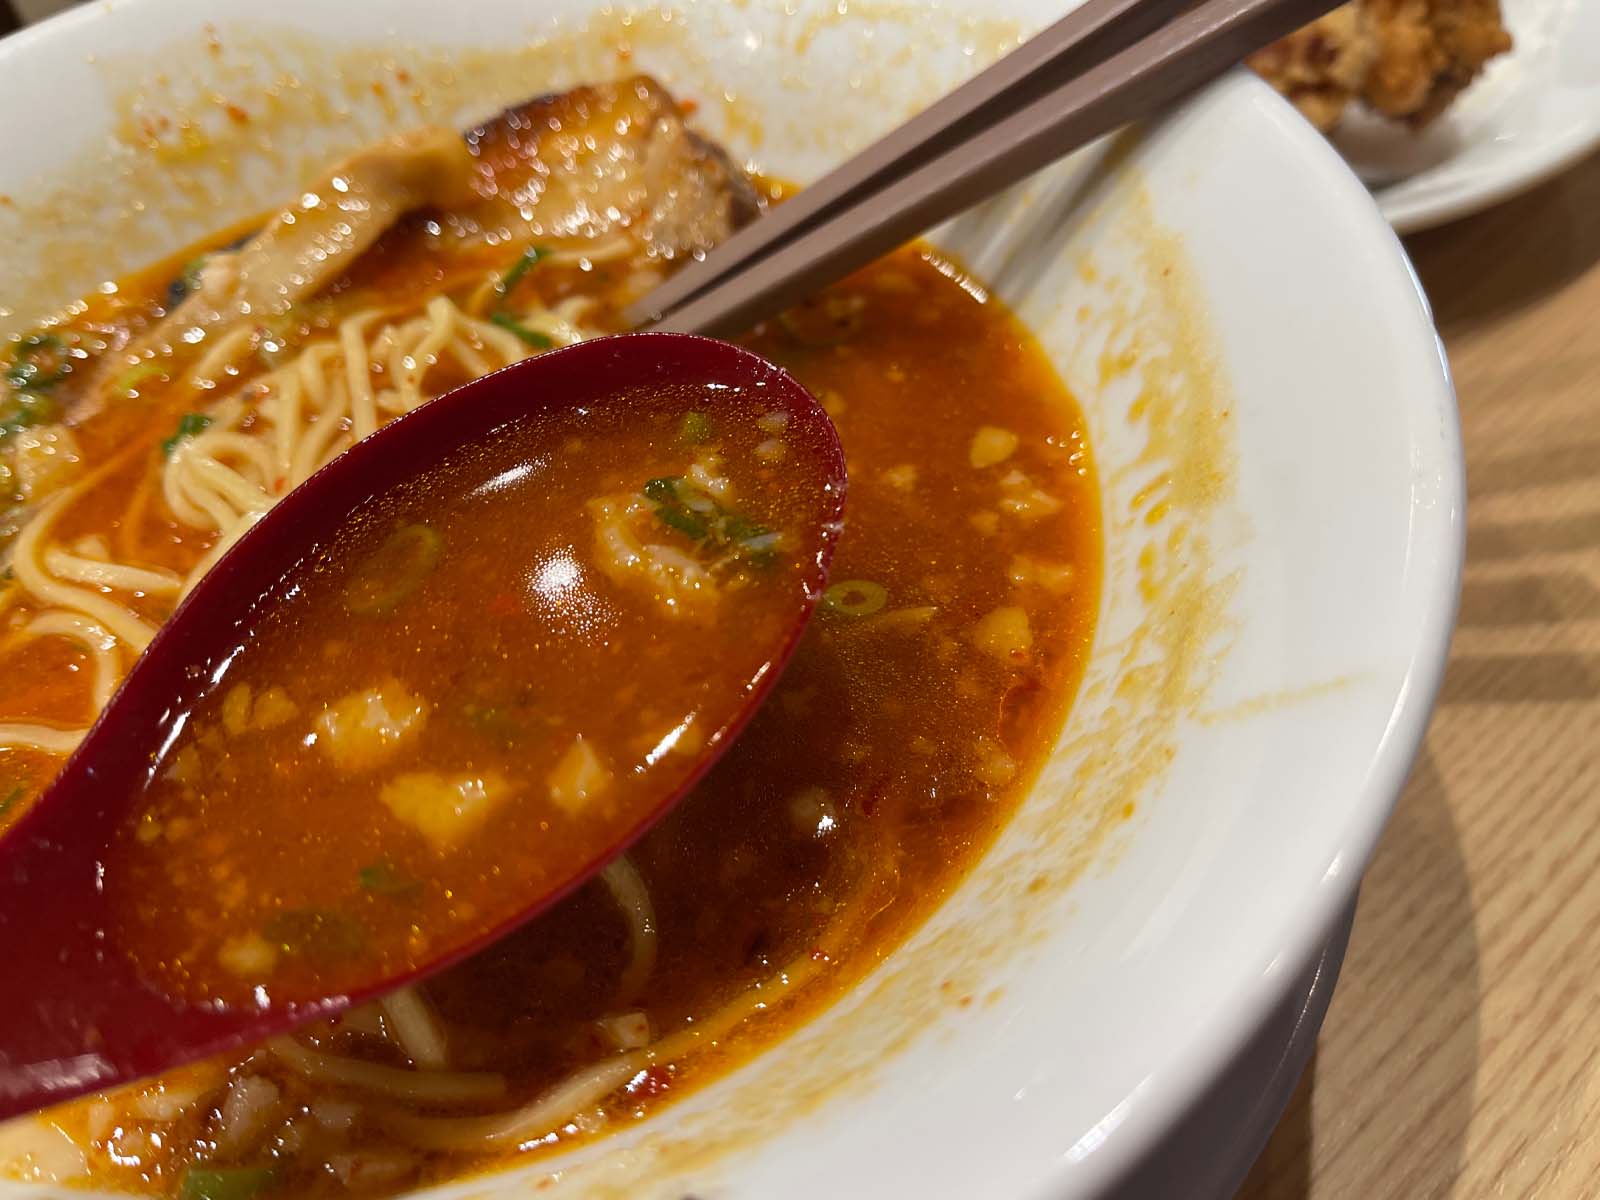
point(128, 382)
point(753, 541)
point(666, 495)
point(393, 571)
point(532, 336)
point(855, 597)
point(316, 934)
point(28, 373)
point(760, 544)
point(226, 1183)
point(663, 490)
point(696, 500)
point(695, 428)
point(188, 425)
point(188, 280)
point(32, 409)
point(383, 879)
point(511, 278)
point(683, 522)
point(680, 505)
point(11, 799)
point(493, 722)
point(739, 529)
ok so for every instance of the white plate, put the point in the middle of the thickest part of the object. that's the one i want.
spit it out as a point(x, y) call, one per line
point(1534, 112)
point(1282, 493)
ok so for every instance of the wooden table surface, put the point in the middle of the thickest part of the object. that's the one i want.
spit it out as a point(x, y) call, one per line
point(1461, 1055)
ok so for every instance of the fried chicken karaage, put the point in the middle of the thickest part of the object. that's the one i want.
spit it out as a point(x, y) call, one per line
point(1405, 59)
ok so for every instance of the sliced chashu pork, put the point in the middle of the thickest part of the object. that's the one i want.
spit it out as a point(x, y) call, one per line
point(308, 244)
point(585, 164)
point(606, 158)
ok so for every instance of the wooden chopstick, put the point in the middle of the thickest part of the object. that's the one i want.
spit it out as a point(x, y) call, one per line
point(1069, 46)
point(1091, 75)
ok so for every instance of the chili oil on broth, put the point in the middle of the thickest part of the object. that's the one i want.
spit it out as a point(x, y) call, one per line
point(573, 608)
point(929, 690)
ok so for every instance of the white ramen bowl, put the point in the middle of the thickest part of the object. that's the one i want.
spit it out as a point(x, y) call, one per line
point(1278, 449)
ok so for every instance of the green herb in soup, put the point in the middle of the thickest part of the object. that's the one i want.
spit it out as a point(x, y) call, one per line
point(507, 563)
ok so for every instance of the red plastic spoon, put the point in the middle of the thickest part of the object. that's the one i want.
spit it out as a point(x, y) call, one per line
point(79, 1011)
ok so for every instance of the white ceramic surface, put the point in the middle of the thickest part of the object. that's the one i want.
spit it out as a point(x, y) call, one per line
point(1278, 449)
point(1534, 112)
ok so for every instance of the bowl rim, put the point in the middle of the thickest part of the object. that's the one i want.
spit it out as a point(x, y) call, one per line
point(1311, 919)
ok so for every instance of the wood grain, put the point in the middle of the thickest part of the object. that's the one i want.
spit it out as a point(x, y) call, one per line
point(1461, 1055)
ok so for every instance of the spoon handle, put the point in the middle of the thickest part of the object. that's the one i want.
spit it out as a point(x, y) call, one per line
point(77, 1016)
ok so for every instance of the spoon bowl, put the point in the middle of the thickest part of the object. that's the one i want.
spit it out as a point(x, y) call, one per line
point(82, 1012)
